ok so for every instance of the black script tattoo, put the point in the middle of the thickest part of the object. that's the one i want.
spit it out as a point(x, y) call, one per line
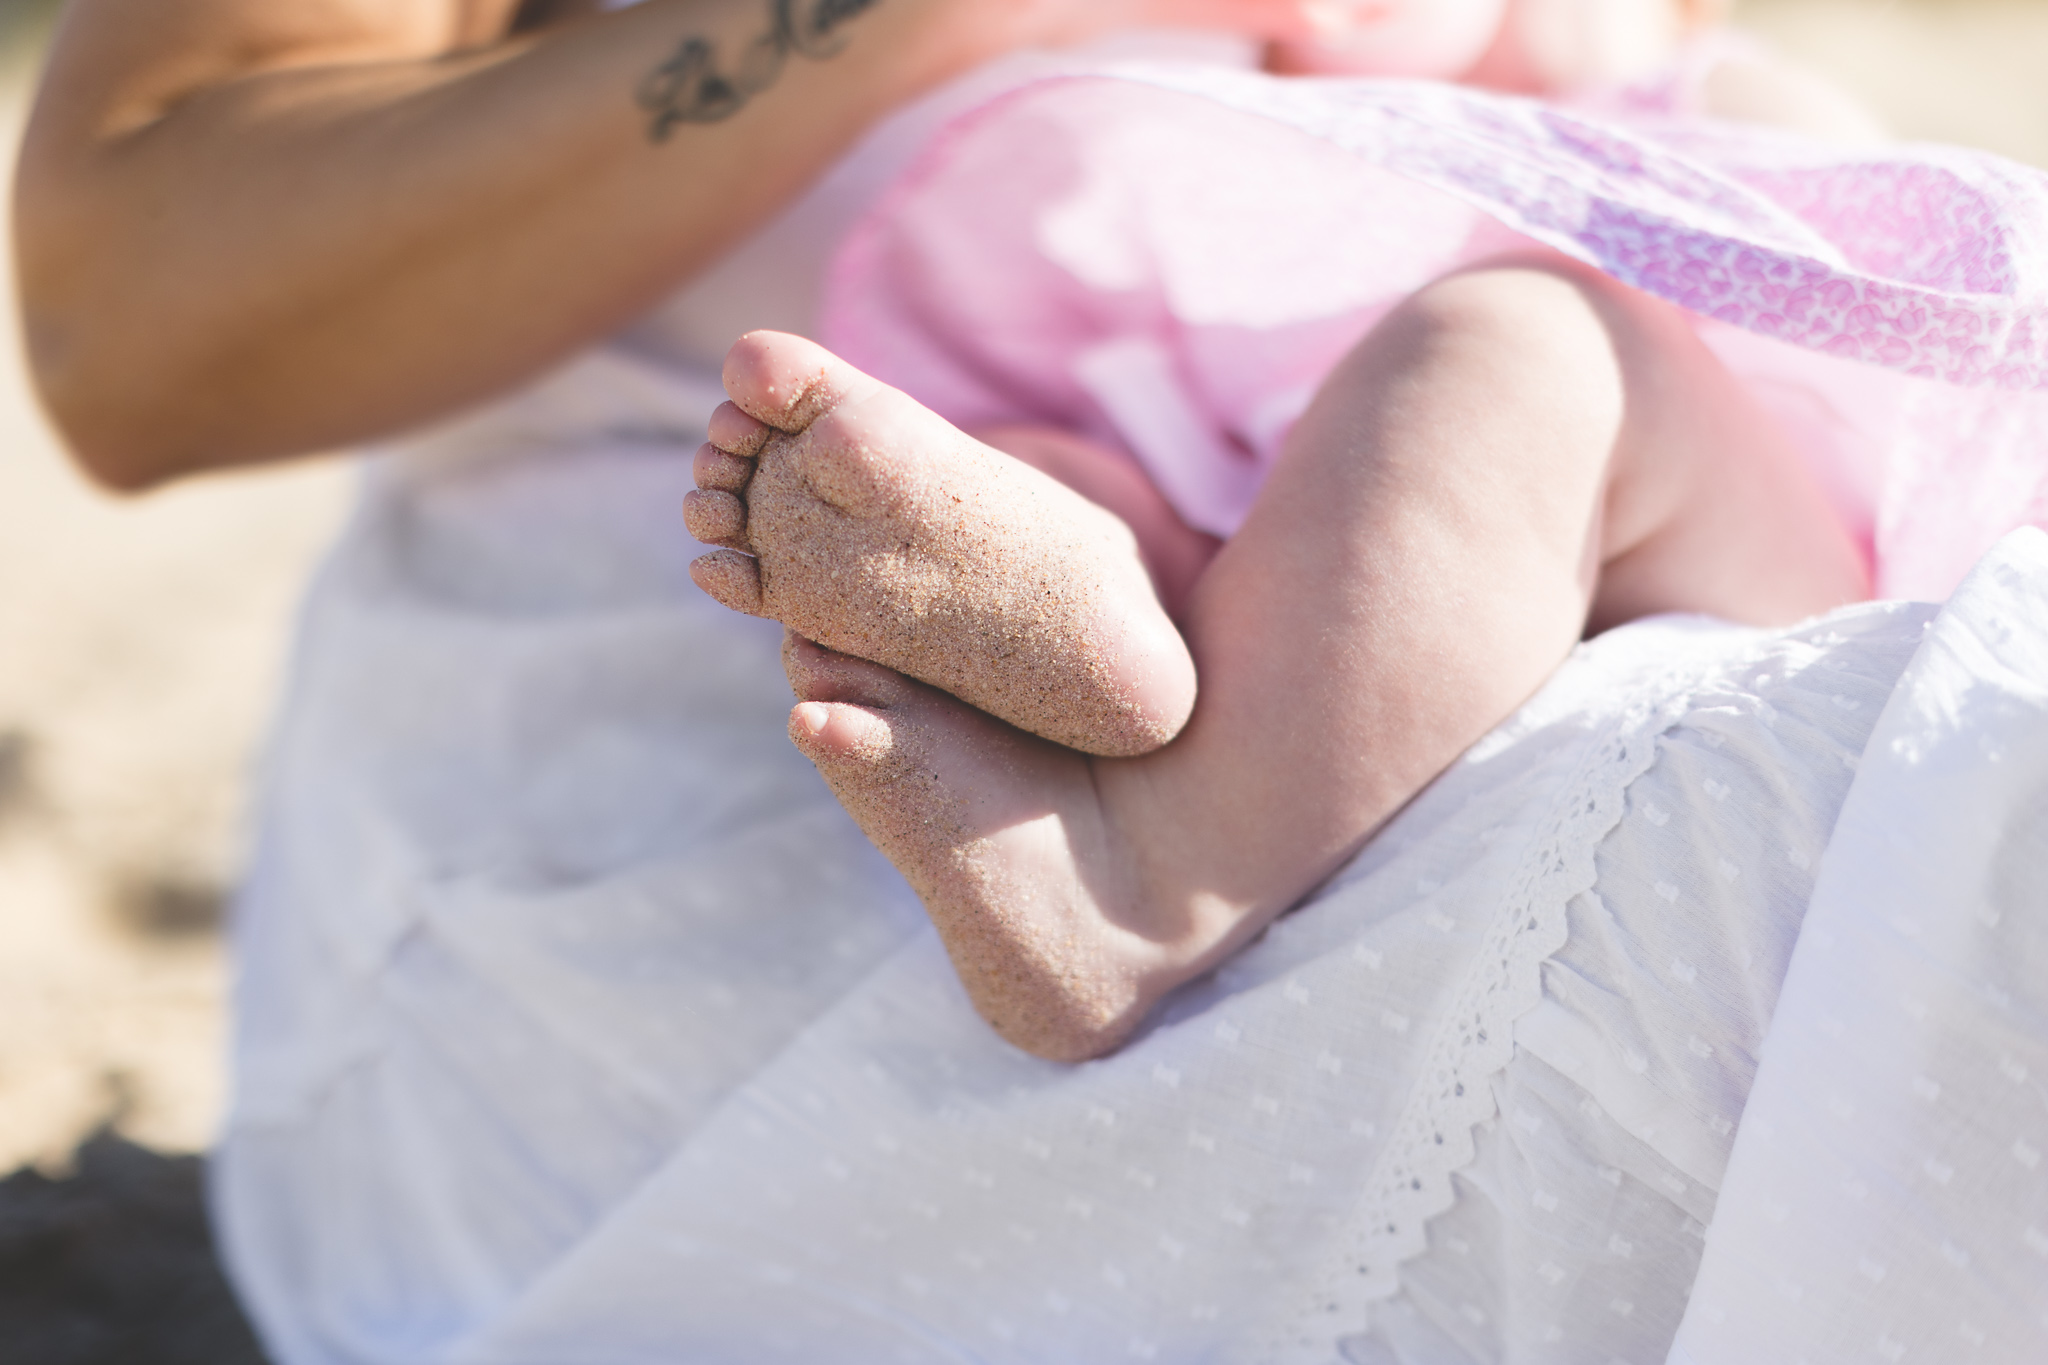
point(695, 86)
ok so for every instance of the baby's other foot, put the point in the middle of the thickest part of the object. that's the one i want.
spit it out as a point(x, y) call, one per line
point(1001, 836)
point(880, 530)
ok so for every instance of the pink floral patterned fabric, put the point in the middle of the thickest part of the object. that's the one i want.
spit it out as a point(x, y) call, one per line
point(1170, 259)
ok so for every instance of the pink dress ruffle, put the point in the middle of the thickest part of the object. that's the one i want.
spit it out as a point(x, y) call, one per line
point(1169, 260)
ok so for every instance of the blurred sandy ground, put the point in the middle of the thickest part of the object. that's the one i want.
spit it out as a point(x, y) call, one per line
point(1970, 71)
point(140, 645)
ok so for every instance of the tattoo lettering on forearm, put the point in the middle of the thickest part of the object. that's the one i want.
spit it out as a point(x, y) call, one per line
point(695, 86)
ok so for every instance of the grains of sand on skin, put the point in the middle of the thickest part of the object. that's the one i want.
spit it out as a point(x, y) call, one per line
point(990, 582)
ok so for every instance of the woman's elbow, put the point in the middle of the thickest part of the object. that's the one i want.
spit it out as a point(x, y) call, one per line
point(95, 404)
point(110, 435)
point(113, 386)
point(122, 470)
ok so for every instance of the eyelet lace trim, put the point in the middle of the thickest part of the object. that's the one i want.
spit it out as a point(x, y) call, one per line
point(1433, 1138)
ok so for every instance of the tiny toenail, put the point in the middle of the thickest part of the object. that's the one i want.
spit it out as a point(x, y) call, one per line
point(812, 717)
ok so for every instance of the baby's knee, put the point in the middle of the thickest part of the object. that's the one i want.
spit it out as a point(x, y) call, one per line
point(1540, 312)
point(1536, 338)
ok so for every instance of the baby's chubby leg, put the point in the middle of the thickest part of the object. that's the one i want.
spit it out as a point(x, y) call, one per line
point(875, 528)
point(1512, 452)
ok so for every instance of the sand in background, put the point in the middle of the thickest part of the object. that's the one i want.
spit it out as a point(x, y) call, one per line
point(1968, 71)
point(140, 644)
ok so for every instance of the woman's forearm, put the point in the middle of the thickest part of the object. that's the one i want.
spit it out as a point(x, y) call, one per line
point(362, 228)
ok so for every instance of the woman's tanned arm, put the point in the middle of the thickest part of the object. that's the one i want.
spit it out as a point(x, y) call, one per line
point(248, 230)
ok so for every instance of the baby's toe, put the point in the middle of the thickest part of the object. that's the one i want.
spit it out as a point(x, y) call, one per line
point(715, 518)
point(715, 469)
point(735, 433)
point(839, 732)
point(819, 674)
point(731, 578)
point(786, 381)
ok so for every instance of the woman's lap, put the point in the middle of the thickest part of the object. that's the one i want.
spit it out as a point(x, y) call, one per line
point(519, 1113)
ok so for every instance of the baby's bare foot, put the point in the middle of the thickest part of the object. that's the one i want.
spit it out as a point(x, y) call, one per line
point(1002, 836)
point(880, 530)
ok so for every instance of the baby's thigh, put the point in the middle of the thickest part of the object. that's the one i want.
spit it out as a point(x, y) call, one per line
point(1592, 446)
point(1421, 557)
point(1471, 435)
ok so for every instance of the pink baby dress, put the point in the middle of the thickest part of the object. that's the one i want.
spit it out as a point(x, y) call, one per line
point(1170, 260)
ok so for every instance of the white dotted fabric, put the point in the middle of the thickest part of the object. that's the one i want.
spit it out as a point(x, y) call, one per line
point(577, 1024)
point(1888, 1196)
point(1579, 1218)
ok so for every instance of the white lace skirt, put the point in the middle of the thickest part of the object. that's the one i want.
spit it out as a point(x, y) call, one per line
point(577, 1024)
